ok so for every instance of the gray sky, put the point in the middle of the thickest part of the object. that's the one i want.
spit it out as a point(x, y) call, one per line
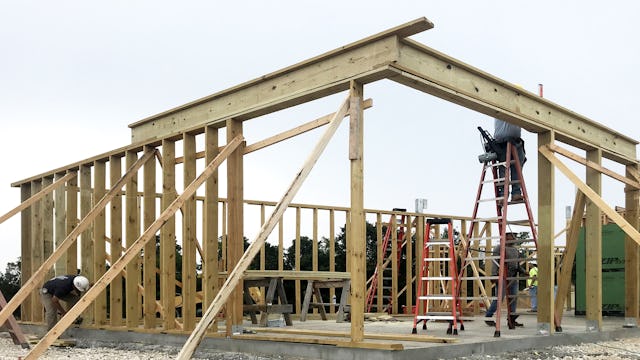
point(73, 75)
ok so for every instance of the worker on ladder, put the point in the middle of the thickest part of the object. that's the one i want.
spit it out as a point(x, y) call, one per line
point(505, 133)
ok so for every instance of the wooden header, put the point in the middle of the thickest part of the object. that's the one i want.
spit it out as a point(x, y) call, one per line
point(312, 79)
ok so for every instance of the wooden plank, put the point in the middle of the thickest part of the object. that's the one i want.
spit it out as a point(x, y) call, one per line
point(595, 166)
point(167, 237)
point(37, 250)
point(32, 199)
point(99, 244)
point(210, 263)
point(379, 264)
point(60, 222)
point(295, 275)
point(298, 265)
point(546, 227)
point(37, 277)
point(236, 275)
point(72, 223)
point(132, 252)
point(149, 260)
point(632, 255)
point(320, 341)
point(593, 247)
point(115, 214)
point(25, 252)
point(314, 124)
point(312, 79)
point(133, 305)
point(235, 237)
point(435, 73)
point(87, 238)
point(189, 236)
point(564, 280)
point(47, 223)
point(357, 242)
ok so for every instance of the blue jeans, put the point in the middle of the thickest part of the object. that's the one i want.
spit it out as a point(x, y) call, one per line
point(513, 291)
point(533, 292)
point(515, 185)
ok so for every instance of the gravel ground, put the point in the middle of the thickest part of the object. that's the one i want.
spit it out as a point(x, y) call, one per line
point(619, 349)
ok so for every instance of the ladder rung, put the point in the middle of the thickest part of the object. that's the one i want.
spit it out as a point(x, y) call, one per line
point(434, 317)
point(499, 198)
point(437, 259)
point(441, 243)
point(436, 297)
point(523, 222)
point(438, 278)
point(496, 218)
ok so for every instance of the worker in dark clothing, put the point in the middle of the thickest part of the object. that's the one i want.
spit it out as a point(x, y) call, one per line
point(511, 286)
point(66, 288)
point(506, 133)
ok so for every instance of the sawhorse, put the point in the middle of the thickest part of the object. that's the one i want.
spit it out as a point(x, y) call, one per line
point(274, 287)
point(13, 328)
point(313, 289)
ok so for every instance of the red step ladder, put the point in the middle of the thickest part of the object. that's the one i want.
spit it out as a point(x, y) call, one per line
point(376, 281)
point(501, 203)
point(439, 266)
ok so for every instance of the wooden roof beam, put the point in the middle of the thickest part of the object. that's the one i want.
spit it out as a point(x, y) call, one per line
point(430, 71)
point(312, 79)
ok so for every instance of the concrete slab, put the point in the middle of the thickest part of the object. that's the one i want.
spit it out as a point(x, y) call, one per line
point(477, 338)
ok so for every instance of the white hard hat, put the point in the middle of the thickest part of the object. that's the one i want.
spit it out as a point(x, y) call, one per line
point(81, 283)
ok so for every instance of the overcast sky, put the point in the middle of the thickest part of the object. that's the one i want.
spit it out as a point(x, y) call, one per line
point(74, 74)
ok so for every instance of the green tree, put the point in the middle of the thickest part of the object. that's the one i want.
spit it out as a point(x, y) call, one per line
point(10, 281)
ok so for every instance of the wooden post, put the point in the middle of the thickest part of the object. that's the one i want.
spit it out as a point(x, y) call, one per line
point(408, 266)
point(546, 228)
point(25, 251)
point(210, 239)
point(60, 222)
point(47, 222)
point(132, 254)
point(72, 224)
point(632, 256)
point(357, 242)
point(332, 253)
point(235, 238)
point(298, 287)
point(132, 231)
point(86, 239)
point(115, 298)
point(593, 248)
point(189, 237)
point(99, 246)
point(379, 262)
point(168, 236)
point(236, 275)
point(37, 250)
point(149, 267)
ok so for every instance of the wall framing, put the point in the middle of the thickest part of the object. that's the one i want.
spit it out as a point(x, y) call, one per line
point(387, 55)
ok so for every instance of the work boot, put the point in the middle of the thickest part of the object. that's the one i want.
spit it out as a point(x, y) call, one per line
point(490, 323)
point(512, 323)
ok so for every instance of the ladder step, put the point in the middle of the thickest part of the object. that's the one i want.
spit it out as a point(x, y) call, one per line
point(436, 259)
point(491, 219)
point(436, 297)
point(499, 198)
point(438, 278)
point(441, 243)
point(524, 222)
point(435, 317)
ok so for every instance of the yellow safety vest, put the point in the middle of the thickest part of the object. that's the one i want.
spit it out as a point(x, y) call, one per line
point(533, 272)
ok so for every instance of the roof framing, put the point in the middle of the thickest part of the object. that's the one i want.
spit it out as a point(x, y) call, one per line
point(390, 55)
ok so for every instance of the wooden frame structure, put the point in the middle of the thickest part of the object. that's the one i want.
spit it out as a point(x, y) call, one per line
point(48, 236)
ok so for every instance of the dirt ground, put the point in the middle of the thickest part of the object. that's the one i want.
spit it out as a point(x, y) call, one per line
point(620, 349)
